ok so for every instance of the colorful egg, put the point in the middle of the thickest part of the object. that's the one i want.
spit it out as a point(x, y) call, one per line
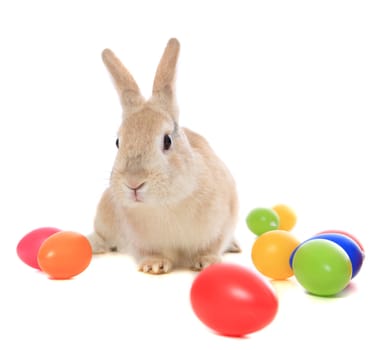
point(261, 220)
point(233, 300)
point(345, 233)
point(322, 267)
point(65, 255)
point(287, 217)
point(354, 251)
point(271, 253)
point(28, 247)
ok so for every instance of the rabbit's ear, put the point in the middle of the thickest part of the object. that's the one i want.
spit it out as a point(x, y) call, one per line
point(126, 86)
point(163, 91)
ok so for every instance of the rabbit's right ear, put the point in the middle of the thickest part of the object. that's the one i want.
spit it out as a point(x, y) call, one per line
point(126, 86)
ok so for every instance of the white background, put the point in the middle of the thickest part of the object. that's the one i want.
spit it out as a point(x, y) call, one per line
point(282, 91)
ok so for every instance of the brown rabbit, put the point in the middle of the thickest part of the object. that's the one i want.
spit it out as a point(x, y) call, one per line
point(171, 201)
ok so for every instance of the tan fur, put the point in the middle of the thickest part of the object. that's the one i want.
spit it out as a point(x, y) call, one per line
point(166, 208)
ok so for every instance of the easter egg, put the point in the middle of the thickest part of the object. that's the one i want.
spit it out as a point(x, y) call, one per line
point(322, 267)
point(287, 217)
point(345, 233)
point(353, 250)
point(271, 253)
point(65, 255)
point(28, 247)
point(261, 220)
point(232, 300)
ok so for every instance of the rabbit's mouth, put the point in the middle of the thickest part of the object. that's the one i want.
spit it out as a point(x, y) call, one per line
point(137, 196)
point(136, 193)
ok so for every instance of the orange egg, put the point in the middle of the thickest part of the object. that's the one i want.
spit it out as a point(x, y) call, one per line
point(286, 215)
point(271, 253)
point(64, 255)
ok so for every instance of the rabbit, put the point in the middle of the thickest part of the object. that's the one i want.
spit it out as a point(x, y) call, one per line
point(171, 202)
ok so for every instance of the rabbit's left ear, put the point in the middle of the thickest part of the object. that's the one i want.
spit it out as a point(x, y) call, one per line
point(163, 92)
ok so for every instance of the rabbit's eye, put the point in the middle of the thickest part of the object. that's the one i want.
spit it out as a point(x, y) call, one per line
point(167, 142)
point(117, 143)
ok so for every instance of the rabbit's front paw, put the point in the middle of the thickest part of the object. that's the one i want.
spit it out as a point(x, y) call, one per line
point(203, 261)
point(234, 248)
point(98, 245)
point(155, 265)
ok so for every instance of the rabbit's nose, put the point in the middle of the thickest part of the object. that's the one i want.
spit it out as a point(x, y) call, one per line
point(135, 186)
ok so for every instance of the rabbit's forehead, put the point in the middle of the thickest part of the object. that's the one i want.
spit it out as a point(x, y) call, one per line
point(145, 127)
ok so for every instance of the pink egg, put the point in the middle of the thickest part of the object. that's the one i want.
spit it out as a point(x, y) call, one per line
point(28, 247)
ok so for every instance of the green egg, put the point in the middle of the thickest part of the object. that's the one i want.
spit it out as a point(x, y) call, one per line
point(322, 267)
point(261, 220)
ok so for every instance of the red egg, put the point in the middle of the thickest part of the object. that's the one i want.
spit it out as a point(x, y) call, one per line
point(29, 245)
point(65, 255)
point(233, 300)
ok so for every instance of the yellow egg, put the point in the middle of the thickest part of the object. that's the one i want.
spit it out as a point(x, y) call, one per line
point(271, 253)
point(287, 217)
